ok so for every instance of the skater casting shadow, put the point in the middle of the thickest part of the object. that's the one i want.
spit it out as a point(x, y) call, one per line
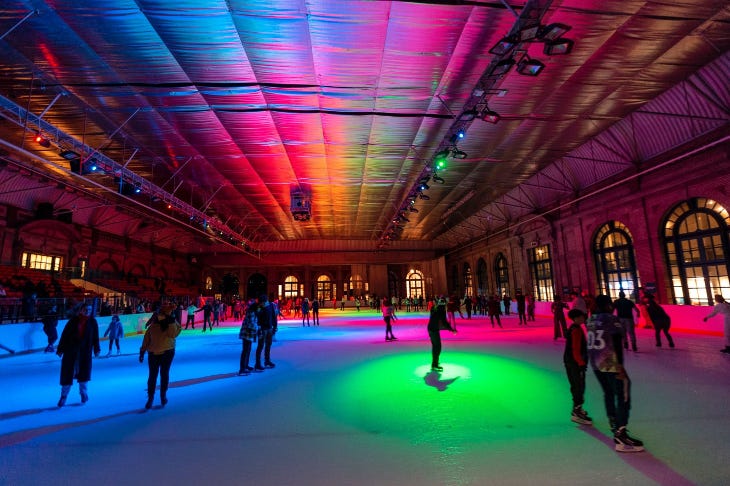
point(23, 413)
point(433, 378)
point(21, 436)
point(202, 379)
point(644, 462)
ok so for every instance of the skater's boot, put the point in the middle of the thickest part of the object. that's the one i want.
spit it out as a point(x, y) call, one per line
point(163, 397)
point(150, 398)
point(64, 394)
point(83, 391)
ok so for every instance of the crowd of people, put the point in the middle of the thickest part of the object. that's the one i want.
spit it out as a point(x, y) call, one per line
point(599, 333)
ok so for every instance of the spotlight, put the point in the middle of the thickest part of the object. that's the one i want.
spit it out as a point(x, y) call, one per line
point(459, 135)
point(424, 179)
point(558, 47)
point(458, 154)
point(438, 179)
point(424, 187)
point(490, 116)
point(69, 154)
point(42, 141)
point(468, 115)
point(502, 47)
point(425, 197)
point(553, 31)
point(440, 163)
point(412, 209)
point(503, 67)
point(529, 33)
point(530, 67)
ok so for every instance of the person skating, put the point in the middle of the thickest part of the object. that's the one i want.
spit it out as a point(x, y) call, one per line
point(159, 344)
point(267, 320)
point(437, 321)
point(79, 338)
point(575, 359)
point(605, 351)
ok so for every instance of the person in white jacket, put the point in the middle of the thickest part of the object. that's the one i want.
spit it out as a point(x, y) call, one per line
point(723, 308)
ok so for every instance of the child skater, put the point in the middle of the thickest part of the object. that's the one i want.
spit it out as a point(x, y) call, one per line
point(115, 331)
point(576, 362)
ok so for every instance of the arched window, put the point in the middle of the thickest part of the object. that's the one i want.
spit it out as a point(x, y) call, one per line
point(291, 287)
point(697, 250)
point(482, 283)
point(615, 262)
point(357, 286)
point(541, 271)
point(414, 284)
point(468, 281)
point(502, 272)
point(324, 288)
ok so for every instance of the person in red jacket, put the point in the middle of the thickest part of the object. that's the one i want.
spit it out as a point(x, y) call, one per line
point(575, 359)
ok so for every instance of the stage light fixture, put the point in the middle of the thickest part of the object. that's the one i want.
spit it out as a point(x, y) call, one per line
point(503, 66)
point(437, 179)
point(458, 154)
point(440, 164)
point(529, 33)
point(42, 141)
point(530, 67)
point(553, 31)
point(412, 209)
point(503, 46)
point(558, 47)
point(425, 197)
point(69, 154)
point(468, 115)
point(490, 116)
point(424, 187)
point(424, 179)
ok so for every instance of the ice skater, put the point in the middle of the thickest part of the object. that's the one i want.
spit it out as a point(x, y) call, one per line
point(79, 338)
point(575, 359)
point(605, 351)
point(159, 344)
point(723, 308)
point(115, 331)
point(437, 321)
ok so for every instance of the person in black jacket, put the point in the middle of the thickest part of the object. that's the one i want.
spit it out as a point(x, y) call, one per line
point(266, 317)
point(436, 322)
point(575, 359)
point(660, 319)
point(80, 337)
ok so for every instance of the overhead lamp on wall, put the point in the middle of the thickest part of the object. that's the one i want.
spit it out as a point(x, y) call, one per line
point(503, 67)
point(503, 46)
point(42, 141)
point(528, 34)
point(553, 31)
point(530, 67)
point(468, 115)
point(490, 116)
point(558, 47)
